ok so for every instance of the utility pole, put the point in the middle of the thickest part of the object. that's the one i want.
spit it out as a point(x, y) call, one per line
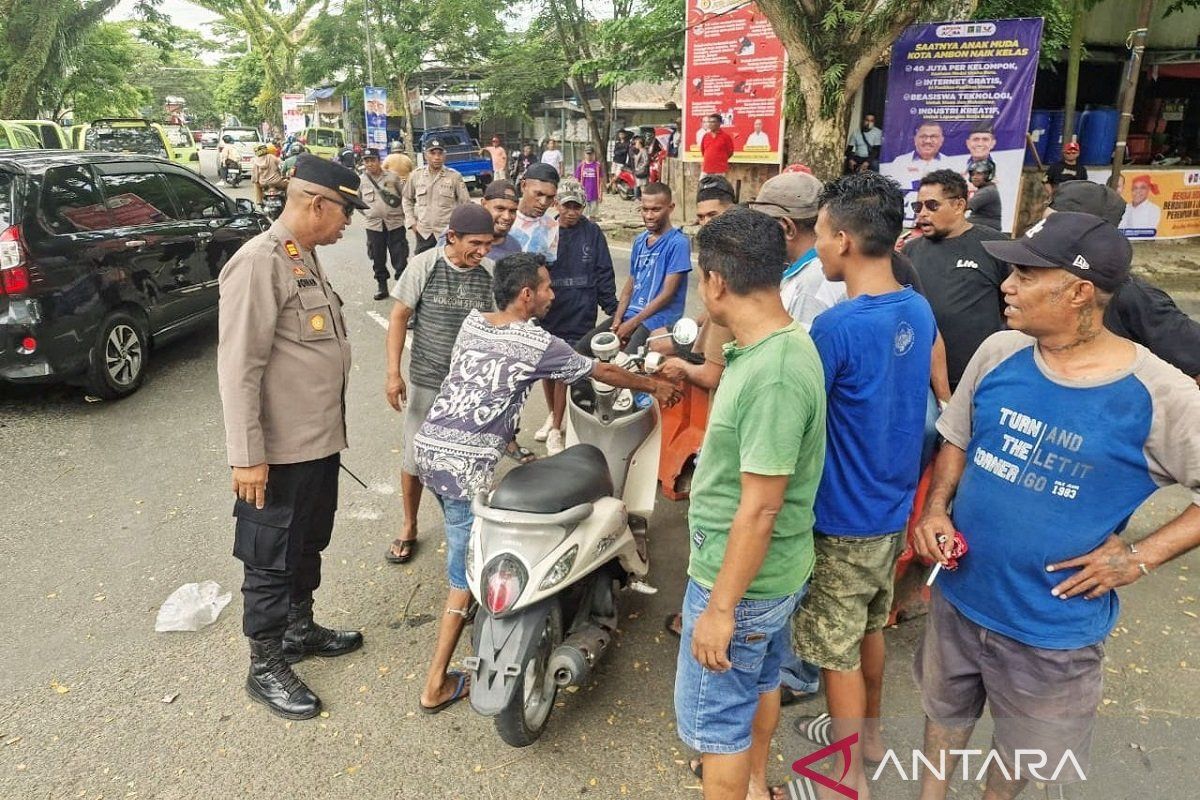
point(370, 43)
point(1074, 54)
point(1136, 43)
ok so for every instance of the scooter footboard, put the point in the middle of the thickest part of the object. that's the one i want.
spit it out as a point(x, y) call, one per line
point(500, 645)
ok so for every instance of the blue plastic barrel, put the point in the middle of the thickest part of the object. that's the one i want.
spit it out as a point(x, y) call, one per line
point(1039, 126)
point(1098, 135)
point(1054, 136)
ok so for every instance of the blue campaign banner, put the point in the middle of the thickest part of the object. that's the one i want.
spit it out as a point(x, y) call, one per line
point(960, 92)
point(375, 106)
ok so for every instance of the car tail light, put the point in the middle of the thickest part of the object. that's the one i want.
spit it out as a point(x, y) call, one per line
point(14, 273)
point(503, 581)
point(28, 346)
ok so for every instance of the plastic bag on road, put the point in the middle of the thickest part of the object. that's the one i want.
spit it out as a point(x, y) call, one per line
point(191, 607)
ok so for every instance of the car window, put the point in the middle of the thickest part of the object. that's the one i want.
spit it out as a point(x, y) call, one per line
point(145, 141)
point(242, 135)
point(449, 139)
point(326, 139)
point(139, 198)
point(179, 136)
point(23, 137)
point(195, 200)
point(71, 202)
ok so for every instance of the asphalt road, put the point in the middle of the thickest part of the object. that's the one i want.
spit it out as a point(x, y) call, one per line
point(108, 507)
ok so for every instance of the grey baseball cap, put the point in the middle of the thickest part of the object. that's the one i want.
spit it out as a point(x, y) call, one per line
point(792, 194)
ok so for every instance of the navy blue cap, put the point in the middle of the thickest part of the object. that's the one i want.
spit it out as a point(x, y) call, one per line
point(1082, 244)
point(330, 174)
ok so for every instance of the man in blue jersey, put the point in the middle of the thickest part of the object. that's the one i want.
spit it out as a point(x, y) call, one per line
point(656, 291)
point(1058, 431)
point(875, 349)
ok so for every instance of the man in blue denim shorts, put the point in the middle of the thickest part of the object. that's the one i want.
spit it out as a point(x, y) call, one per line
point(751, 515)
point(497, 358)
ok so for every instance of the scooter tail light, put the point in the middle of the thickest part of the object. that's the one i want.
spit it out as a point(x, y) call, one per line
point(504, 580)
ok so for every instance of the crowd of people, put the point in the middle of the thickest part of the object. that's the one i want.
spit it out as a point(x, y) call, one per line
point(1064, 392)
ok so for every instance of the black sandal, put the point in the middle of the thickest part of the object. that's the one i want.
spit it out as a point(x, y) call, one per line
point(669, 624)
point(408, 549)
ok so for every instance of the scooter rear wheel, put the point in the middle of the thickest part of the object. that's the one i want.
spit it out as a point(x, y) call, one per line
point(522, 721)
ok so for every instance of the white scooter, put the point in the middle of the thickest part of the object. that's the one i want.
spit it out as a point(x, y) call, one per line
point(554, 543)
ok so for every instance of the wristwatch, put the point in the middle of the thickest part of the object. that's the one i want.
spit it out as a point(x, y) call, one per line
point(1133, 551)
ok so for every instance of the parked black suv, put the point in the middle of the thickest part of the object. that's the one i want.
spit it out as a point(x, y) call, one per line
point(103, 256)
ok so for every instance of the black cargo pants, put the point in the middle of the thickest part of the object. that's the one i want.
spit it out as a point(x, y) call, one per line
point(387, 242)
point(280, 544)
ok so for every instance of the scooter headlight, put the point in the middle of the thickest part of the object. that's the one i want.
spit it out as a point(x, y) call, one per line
point(560, 570)
point(504, 579)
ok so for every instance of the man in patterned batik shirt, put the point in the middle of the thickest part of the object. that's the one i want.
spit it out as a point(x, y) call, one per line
point(496, 360)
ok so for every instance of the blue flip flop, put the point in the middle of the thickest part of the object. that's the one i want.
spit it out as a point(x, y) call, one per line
point(459, 694)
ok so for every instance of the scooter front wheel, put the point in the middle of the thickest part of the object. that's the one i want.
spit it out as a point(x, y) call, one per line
point(522, 721)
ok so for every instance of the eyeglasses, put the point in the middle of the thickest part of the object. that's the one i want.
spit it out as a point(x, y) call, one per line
point(347, 209)
point(931, 205)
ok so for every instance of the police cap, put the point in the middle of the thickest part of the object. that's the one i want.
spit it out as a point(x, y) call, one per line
point(330, 174)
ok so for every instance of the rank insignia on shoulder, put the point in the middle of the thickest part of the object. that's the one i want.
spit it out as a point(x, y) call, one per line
point(298, 272)
point(318, 322)
point(292, 250)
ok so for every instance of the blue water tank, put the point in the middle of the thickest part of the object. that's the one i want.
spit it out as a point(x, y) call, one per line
point(1054, 136)
point(1039, 126)
point(1098, 135)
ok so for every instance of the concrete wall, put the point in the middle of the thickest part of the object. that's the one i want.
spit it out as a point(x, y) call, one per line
point(1110, 22)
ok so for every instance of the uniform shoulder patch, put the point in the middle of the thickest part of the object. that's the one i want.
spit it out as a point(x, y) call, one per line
point(292, 250)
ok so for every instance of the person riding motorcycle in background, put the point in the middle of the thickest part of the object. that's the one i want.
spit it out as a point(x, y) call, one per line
point(228, 156)
point(266, 170)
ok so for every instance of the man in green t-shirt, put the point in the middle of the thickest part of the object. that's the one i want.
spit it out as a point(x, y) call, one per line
point(751, 516)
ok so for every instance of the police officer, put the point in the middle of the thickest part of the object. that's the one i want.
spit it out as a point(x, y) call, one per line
point(282, 365)
point(431, 194)
point(386, 234)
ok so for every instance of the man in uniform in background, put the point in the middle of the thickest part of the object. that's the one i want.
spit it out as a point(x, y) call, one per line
point(282, 365)
point(431, 194)
point(386, 235)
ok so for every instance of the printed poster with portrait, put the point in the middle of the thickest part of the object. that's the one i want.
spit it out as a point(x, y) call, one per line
point(960, 92)
point(375, 107)
point(734, 66)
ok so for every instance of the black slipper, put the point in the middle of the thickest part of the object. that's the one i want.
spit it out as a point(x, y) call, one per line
point(459, 694)
point(408, 549)
point(669, 624)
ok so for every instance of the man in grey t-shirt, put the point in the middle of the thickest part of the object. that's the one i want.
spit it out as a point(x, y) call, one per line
point(436, 292)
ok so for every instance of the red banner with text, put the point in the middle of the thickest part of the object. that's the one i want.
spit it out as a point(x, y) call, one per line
point(733, 66)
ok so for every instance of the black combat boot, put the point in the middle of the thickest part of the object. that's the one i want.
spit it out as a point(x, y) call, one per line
point(272, 682)
point(382, 291)
point(304, 637)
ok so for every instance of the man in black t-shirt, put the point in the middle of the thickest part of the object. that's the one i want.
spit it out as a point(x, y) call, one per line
point(961, 280)
point(1068, 169)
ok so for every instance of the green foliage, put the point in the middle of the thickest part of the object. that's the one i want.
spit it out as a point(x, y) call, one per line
point(1056, 31)
point(645, 45)
point(240, 87)
point(105, 82)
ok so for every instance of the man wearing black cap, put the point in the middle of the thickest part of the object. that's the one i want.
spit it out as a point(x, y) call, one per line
point(432, 192)
point(1058, 431)
point(386, 235)
point(440, 286)
point(534, 229)
point(282, 365)
point(1139, 310)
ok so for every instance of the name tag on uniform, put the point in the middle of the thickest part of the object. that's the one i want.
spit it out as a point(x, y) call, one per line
point(306, 283)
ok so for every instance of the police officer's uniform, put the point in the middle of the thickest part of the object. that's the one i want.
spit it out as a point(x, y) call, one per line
point(429, 197)
point(386, 232)
point(282, 365)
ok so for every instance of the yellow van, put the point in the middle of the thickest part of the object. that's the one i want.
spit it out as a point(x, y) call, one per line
point(125, 135)
point(323, 142)
point(185, 151)
point(50, 134)
point(15, 136)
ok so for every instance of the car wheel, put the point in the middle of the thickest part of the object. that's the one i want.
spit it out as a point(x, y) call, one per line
point(117, 363)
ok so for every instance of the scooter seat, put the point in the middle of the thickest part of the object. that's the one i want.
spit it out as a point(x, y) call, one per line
point(549, 485)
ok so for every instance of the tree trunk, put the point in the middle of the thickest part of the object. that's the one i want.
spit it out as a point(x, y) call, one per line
point(1074, 55)
point(409, 144)
point(819, 142)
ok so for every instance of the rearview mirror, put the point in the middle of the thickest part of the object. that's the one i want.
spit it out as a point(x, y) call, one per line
point(685, 331)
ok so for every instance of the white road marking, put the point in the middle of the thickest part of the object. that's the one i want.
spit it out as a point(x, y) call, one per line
point(380, 318)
